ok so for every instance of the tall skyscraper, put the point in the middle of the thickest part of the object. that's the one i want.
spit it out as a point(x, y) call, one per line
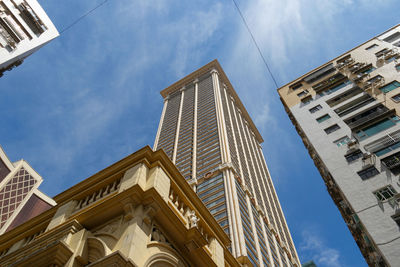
point(209, 135)
point(347, 114)
point(24, 28)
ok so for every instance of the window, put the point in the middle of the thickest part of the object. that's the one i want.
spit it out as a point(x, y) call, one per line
point(315, 109)
point(393, 37)
point(397, 44)
point(344, 96)
point(342, 141)
point(368, 70)
point(371, 47)
point(323, 118)
point(396, 98)
point(354, 105)
point(332, 128)
point(353, 156)
point(302, 93)
point(368, 173)
point(306, 100)
point(387, 149)
point(397, 66)
point(377, 127)
point(389, 87)
point(335, 88)
point(396, 218)
point(385, 193)
point(296, 86)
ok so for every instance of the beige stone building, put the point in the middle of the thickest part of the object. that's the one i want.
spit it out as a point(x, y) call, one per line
point(139, 211)
point(347, 114)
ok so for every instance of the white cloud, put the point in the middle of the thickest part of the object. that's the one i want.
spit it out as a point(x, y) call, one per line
point(316, 249)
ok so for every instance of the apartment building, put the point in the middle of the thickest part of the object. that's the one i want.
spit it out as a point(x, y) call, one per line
point(347, 114)
point(24, 28)
point(206, 131)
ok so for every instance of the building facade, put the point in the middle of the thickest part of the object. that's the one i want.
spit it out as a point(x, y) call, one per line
point(24, 28)
point(20, 197)
point(206, 131)
point(347, 114)
point(138, 212)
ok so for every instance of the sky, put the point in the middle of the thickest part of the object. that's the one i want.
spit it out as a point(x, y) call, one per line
point(91, 96)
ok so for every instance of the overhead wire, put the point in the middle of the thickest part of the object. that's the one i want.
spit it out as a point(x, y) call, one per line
point(255, 43)
point(82, 17)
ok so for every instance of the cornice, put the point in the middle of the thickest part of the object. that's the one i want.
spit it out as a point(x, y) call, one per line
point(208, 68)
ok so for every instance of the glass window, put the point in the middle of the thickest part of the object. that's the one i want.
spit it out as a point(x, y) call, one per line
point(334, 89)
point(342, 141)
point(390, 86)
point(296, 86)
point(385, 150)
point(377, 127)
point(396, 98)
point(302, 93)
point(353, 156)
point(385, 193)
point(315, 109)
point(371, 47)
point(323, 118)
point(397, 66)
point(306, 100)
point(332, 129)
point(368, 172)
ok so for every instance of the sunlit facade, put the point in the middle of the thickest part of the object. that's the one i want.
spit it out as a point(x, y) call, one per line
point(208, 134)
point(347, 114)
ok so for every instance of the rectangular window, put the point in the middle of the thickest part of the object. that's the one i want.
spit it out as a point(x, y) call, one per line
point(302, 93)
point(296, 86)
point(386, 150)
point(332, 129)
point(306, 100)
point(353, 156)
point(354, 105)
point(389, 87)
point(396, 98)
point(342, 141)
point(335, 88)
point(323, 118)
point(392, 38)
point(368, 173)
point(315, 109)
point(377, 127)
point(397, 66)
point(371, 47)
point(385, 193)
point(344, 96)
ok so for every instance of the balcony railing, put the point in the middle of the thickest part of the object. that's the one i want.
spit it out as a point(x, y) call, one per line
point(379, 113)
point(392, 162)
point(330, 82)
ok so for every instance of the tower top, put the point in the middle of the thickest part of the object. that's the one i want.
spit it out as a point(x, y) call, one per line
point(213, 65)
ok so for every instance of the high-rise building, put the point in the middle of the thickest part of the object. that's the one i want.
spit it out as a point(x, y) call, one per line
point(20, 198)
point(24, 28)
point(347, 114)
point(209, 135)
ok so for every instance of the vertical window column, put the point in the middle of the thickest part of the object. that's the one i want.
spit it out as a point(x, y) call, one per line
point(160, 124)
point(178, 126)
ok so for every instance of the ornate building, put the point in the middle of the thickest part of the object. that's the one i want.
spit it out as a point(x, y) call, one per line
point(139, 211)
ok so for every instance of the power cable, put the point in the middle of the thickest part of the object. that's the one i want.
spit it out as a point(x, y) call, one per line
point(83, 16)
point(255, 43)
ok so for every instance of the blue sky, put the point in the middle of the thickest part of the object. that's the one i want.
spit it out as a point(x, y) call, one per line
point(91, 97)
